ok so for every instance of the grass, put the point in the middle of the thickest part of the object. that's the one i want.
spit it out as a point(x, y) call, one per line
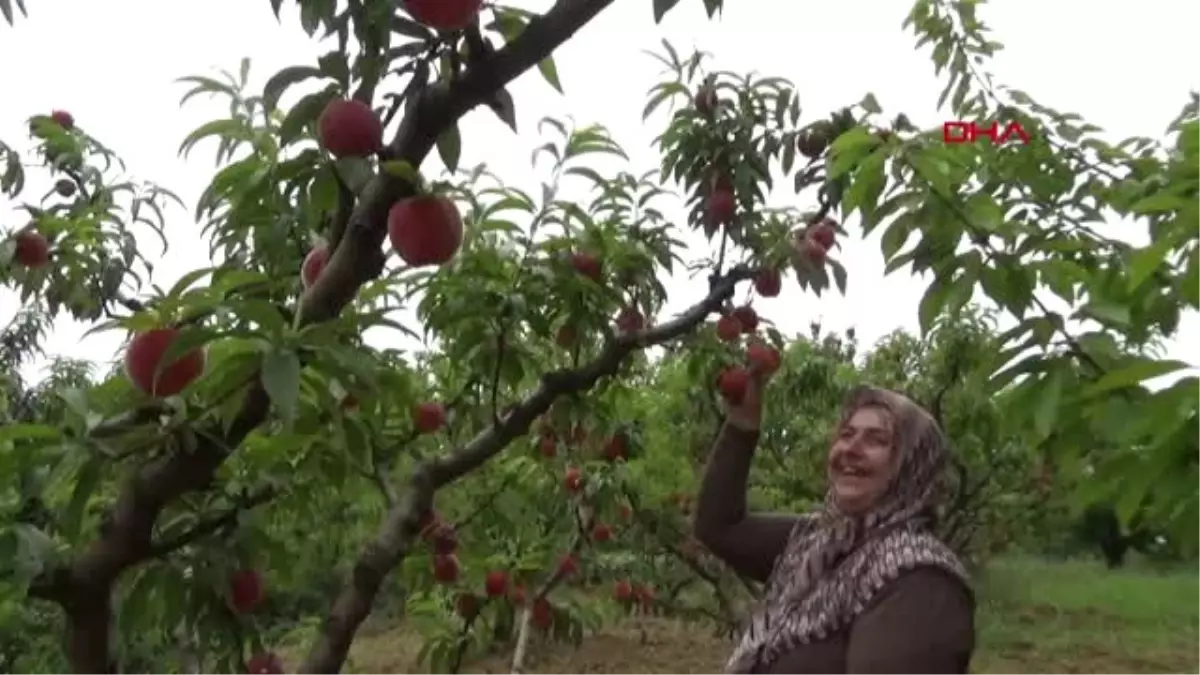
point(1034, 616)
point(1078, 617)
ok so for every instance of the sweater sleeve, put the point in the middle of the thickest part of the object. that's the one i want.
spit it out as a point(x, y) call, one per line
point(924, 624)
point(748, 542)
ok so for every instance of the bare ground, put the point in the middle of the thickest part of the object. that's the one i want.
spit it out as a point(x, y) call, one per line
point(654, 645)
point(1035, 617)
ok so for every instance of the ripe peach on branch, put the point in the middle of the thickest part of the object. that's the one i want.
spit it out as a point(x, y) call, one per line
point(147, 366)
point(425, 230)
point(349, 128)
point(32, 249)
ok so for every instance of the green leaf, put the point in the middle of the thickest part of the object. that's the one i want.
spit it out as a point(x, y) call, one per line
point(141, 595)
point(187, 280)
point(839, 275)
point(85, 483)
point(335, 65)
point(1132, 374)
point(401, 169)
point(1106, 312)
point(355, 172)
point(449, 147)
point(281, 379)
point(960, 291)
point(849, 149)
point(28, 432)
point(870, 104)
point(304, 113)
point(409, 28)
point(357, 439)
point(226, 129)
point(1161, 202)
point(1050, 394)
point(868, 183)
point(661, 7)
point(279, 82)
point(931, 304)
point(311, 15)
point(1145, 261)
point(550, 72)
point(897, 234)
point(6, 10)
point(510, 23)
point(35, 550)
point(502, 104)
point(268, 317)
point(1191, 278)
point(983, 212)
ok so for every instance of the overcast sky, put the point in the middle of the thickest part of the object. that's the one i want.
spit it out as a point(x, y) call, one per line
point(112, 64)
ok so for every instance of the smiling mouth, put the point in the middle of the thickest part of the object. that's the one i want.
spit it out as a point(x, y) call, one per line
point(849, 472)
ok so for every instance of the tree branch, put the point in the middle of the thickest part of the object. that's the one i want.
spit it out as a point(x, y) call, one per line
point(393, 542)
point(211, 525)
point(434, 110)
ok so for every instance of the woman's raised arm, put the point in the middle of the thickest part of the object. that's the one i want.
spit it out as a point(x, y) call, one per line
point(748, 542)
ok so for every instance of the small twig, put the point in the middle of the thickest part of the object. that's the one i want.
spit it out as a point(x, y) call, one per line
point(381, 482)
point(501, 347)
point(129, 420)
point(131, 304)
point(463, 640)
point(488, 501)
point(641, 519)
point(721, 251)
point(550, 584)
point(211, 525)
point(379, 468)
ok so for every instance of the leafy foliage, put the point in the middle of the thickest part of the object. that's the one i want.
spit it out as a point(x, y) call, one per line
point(302, 452)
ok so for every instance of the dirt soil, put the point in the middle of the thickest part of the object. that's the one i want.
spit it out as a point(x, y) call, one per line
point(658, 646)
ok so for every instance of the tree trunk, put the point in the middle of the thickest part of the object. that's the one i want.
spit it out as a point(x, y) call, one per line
point(89, 617)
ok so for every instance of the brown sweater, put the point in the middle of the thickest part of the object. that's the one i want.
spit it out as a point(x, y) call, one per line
point(923, 622)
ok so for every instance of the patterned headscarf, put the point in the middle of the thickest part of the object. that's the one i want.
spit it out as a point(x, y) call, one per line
point(834, 563)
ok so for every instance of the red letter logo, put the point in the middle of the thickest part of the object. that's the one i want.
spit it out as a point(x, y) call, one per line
point(1015, 128)
point(958, 132)
point(969, 132)
point(992, 131)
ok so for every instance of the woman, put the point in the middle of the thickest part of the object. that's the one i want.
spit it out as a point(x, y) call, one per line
point(862, 585)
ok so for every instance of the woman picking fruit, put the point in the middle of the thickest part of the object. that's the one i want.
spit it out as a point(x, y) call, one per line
point(862, 584)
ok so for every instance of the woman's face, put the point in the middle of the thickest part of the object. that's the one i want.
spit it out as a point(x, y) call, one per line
point(860, 459)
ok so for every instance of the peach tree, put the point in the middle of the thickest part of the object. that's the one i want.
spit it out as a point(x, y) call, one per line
point(249, 408)
point(1030, 228)
point(247, 386)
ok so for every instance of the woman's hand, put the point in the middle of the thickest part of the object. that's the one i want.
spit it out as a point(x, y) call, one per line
point(748, 414)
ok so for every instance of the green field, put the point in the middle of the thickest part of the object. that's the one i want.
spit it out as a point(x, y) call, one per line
point(1078, 617)
point(1034, 617)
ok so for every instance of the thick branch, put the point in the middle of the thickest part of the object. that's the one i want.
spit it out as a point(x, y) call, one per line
point(394, 540)
point(434, 110)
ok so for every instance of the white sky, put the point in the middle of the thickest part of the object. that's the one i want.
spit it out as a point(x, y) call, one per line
point(112, 64)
